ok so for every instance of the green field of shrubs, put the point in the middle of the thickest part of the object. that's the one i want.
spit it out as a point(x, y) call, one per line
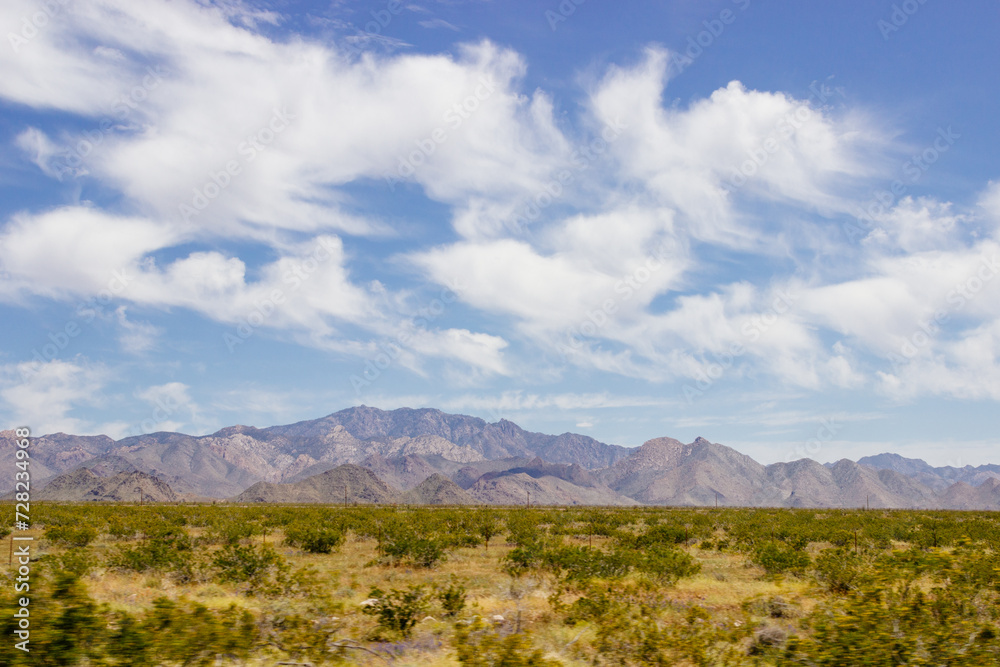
point(217, 584)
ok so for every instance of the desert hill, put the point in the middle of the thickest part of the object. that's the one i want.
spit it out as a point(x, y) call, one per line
point(436, 490)
point(83, 485)
point(348, 483)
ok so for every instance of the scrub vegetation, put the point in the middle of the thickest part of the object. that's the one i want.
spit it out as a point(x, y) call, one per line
point(487, 586)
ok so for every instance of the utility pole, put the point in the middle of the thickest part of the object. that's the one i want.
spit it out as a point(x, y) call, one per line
point(716, 500)
point(528, 504)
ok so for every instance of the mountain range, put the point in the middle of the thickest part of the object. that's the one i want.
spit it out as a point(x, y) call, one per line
point(426, 456)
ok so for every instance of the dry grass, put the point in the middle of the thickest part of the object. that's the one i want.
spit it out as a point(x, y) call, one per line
point(347, 575)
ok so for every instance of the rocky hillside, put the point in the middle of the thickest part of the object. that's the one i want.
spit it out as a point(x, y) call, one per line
point(522, 488)
point(436, 490)
point(390, 453)
point(83, 485)
point(938, 479)
point(349, 484)
point(665, 471)
point(226, 462)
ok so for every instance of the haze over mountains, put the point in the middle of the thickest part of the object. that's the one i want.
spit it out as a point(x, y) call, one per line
point(426, 456)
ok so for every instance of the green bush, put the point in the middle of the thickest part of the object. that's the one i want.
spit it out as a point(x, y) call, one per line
point(314, 539)
point(661, 534)
point(522, 559)
point(452, 599)
point(578, 563)
point(397, 611)
point(839, 570)
point(261, 569)
point(405, 546)
point(169, 551)
point(777, 558)
point(478, 645)
point(667, 564)
point(70, 535)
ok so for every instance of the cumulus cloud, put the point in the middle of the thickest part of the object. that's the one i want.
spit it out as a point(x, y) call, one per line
point(45, 396)
point(674, 236)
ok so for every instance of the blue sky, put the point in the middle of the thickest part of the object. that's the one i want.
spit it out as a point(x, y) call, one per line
point(775, 225)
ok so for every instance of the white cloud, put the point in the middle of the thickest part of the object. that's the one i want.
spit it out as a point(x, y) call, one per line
point(171, 408)
point(40, 150)
point(43, 396)
point(76, 250)
point(520, 401)
point(135, 337)
point(271, 162)
point(688, 158)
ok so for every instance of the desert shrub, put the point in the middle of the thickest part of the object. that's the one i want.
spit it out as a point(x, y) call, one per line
point(520, 560)
point(661, 534)
point(261, 569)
point(778, 558)
point(486, 524)
point(67, 626)
point(839, 570)
point(314, 539)
point(169, 551)
point(405, 546)
point(452, 599)
point(478, 645)
point(227, 531)
point(122, 528)
point(667, 564)
point(71, 535)
point(77, 561)
point(980, 569)
point(898, 624)
point(306, 639)
point(182, 633)
point(397, 611)
point(577, 563)
point(524, 529)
